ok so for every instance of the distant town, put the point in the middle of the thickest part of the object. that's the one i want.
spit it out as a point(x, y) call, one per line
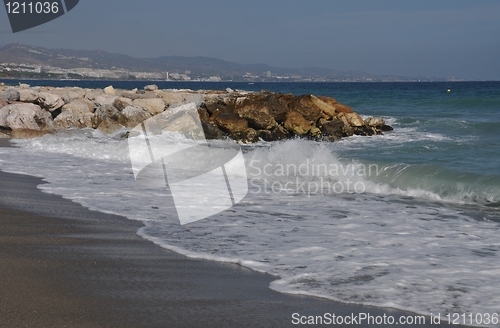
point(30, 71)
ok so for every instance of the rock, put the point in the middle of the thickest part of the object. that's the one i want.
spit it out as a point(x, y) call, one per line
point(109, 90)
point(203, 115)
point(348, 130)
point(122, 102)
point(386, 128)
point(109, 126)
point(4, 136)
point(295, 123)
point(306, 107)
point(129, 94)
point(3, 103)
point(278, 106)
point(257, 118)
point(28, 95)
point(327, 109)
point(10, 95)
point(106, 111)
point(315, 132)
point(152, 87)
point(172, 98)
point(153, 106)
point(211, 131)
point(92, 94)
point(374, 122)
point(354, 119)
point(49, 101)
point(363, 131)
point(231, 122)
point(132, 116)
point(247, 136)
point(333, 129)
point(79, 106)
point(104, 100)
point(73, 94)
point(229, 90)
point(68, 119)
point(24, 86)
point(25, 116)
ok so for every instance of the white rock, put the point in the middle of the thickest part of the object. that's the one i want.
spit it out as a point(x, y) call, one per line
point(50, 101)
point(25, 116)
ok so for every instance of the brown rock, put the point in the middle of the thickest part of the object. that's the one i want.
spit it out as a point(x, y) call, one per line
point(295, 123)
point(354, 120)
point(247, 136)
point(3, 103)
point(27, 134)
point(69, 119)
point(306, 107)
point(258, 118)
point(326, 108)
point(231, 122)
point(334, 129)
point(211, 131)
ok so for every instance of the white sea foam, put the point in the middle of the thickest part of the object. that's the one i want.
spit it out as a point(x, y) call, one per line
point(381, 247)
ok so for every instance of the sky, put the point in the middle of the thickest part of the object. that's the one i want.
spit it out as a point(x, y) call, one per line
point(444, 38)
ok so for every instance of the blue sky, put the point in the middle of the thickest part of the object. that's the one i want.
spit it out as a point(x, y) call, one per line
point(410, 38)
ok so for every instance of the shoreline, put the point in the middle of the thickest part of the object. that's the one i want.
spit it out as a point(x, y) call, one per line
point(66, 265)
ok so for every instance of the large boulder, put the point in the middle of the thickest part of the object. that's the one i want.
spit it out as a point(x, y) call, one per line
point(28, 95)
point(132, 116)
point(231, 122)
point(49, 101)
point(76, 114)
point(10, 95)
point(333, 129)
point(295, 123)
point(354, 120)
point(73, 94)
point(104, 100)
point(177, 98)
point(325, 107)
point(258, 117)
point(79, 106)
point(154, 106)
point(306, 107)
point(25, 116)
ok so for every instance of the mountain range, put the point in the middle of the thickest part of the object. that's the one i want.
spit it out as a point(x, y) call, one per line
point(198, 66)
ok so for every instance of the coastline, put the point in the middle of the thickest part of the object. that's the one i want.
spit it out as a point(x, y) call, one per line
point(66, 265)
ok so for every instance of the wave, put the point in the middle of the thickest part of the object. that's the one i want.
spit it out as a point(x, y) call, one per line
point(316, 166)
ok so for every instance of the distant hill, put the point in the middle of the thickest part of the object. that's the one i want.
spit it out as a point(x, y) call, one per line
point(68, 59)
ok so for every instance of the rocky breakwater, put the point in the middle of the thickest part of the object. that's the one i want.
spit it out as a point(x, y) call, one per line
point(243, 116)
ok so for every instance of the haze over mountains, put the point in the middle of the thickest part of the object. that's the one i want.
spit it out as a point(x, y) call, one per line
point(198, 67)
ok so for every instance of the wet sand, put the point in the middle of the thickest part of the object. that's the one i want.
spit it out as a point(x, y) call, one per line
point(62, 265)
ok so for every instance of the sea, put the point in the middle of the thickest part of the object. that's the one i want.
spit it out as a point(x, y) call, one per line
point(407, 220)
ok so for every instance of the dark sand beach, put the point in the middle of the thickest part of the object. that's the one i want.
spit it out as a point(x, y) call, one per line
point(63, 265)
